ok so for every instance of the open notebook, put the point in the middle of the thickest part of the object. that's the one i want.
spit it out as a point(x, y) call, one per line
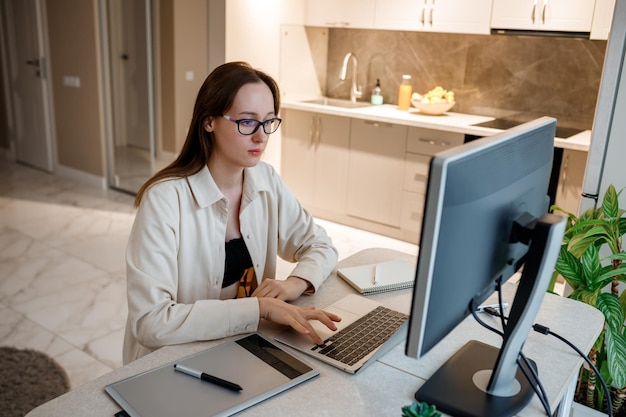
point(379, 277)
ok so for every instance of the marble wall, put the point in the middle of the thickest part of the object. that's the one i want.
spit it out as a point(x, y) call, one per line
point(495, 75)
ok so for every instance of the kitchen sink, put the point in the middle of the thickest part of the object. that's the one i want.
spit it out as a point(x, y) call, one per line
point(337, 102)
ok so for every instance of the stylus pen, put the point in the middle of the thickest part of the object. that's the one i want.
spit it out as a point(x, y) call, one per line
point(209, 378)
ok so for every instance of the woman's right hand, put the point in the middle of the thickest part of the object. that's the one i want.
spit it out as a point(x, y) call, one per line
point(280, 312)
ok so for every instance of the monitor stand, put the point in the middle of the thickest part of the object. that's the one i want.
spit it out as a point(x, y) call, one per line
point(464, 395)
point(484, 381)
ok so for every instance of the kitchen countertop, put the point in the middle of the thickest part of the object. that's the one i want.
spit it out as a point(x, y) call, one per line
point(450, 121)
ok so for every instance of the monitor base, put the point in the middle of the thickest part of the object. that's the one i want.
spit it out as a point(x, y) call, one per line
point(452, 390)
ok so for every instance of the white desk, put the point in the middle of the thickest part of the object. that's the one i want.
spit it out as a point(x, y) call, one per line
point(387, 385)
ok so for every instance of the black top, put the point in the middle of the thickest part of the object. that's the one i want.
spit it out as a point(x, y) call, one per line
point(237, 261)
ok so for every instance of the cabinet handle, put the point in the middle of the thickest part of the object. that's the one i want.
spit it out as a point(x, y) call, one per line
point(434, 142)
point(318, 133)
point(532, 12)
point(420, 177)
point(377, 124)
point(432, 9)
point(564, 170)
point(338, 24)
point(312, 131)
point(543, 12)
point(423, 18)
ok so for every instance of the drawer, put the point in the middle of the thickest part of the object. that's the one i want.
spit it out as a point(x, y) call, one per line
point(429, 142)
point(416, 168)
point(412, 211)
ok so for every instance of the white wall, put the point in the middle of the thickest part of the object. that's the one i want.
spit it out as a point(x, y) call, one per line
point(258, 42)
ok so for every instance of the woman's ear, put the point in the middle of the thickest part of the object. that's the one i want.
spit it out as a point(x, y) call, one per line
point(208, 124)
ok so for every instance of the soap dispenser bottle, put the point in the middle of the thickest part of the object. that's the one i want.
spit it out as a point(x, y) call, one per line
point(377, 95)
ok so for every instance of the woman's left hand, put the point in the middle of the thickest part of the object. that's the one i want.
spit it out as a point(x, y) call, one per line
point(286, 290)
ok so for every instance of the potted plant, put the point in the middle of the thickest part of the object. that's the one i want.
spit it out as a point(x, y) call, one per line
point(590, 261)
point(420, 409)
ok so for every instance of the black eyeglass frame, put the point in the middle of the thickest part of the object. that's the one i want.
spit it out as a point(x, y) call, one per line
point(266, 124)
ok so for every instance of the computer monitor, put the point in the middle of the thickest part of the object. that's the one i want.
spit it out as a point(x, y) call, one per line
point(485, 216)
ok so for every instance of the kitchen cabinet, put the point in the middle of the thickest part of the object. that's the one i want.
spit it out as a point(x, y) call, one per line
point(569, 188)
point(340, 13)
point(314, 162)
point(376, 171)
point(602, 18)
point(548, 15)
point(362, 173)
point(456, 16)
point(421, 145)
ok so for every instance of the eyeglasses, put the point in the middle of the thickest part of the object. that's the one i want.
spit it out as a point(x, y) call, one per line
point(249, 126)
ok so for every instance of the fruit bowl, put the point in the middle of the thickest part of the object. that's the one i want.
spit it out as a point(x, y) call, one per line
point(432, 109)
point(437, 101)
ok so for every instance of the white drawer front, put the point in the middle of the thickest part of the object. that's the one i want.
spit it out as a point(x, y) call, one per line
point(416, 172)
point(429, 142)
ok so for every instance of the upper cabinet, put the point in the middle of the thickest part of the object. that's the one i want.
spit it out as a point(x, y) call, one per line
point(548, 15)
point(465, 16)
point(456, 16)
point(340, 13)
point(602, 18)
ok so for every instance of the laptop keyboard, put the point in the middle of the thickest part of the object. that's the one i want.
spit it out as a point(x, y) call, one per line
point(360, 338)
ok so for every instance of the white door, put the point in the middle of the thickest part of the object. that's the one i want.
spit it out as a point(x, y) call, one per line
point(129, 68)
point(29, 83)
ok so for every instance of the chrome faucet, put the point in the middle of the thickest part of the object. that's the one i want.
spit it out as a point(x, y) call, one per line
point(355, 91)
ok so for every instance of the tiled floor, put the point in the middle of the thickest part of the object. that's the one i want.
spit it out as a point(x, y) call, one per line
point(62, 279)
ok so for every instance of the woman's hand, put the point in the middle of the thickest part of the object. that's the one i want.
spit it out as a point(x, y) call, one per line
point(280, 312)
point(286, 290)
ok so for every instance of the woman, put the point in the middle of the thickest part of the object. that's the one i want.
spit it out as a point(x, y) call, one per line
point(201, 256)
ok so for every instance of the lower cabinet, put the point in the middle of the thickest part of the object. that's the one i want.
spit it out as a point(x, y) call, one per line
point(569, 188)
point(364, 174)
point(315, 159)
point(376, 171)
point(421, 145)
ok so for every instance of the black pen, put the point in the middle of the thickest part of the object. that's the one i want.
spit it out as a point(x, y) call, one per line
point(209, 378)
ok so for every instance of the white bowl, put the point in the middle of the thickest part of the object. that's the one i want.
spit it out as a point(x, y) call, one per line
point(432, 109)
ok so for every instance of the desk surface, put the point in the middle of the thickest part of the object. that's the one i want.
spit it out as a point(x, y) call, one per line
point(385, 386)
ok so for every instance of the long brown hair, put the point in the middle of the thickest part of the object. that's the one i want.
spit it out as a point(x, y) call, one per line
point(215, 98)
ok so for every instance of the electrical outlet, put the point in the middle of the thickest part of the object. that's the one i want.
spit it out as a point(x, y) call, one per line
point(71, 81)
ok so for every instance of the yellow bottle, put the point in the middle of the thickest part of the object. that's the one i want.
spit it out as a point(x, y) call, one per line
point(404, 93)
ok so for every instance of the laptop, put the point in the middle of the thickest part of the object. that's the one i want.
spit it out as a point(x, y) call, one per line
point(356, 343)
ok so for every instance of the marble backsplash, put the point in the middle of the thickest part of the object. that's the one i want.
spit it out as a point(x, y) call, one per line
point(495, 75)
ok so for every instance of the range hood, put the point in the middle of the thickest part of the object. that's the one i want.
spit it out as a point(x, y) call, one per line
point(545, 33)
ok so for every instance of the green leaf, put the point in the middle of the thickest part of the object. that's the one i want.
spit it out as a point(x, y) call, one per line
point(590, 261)
point(611, 307)
point(570, 268)
point(619, 255)
point(579, 243)
point(421, 409)
point(622, 226)
point(584, 295)
point(613, 274)
point(610, 204)
point(616, 356)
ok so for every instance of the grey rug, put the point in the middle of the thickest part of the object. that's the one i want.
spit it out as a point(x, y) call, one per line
point(28, 379)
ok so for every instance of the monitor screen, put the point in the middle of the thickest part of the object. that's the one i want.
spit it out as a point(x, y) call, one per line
point(475, 195)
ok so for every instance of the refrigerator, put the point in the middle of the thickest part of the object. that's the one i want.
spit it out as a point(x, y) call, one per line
point(606, 160)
